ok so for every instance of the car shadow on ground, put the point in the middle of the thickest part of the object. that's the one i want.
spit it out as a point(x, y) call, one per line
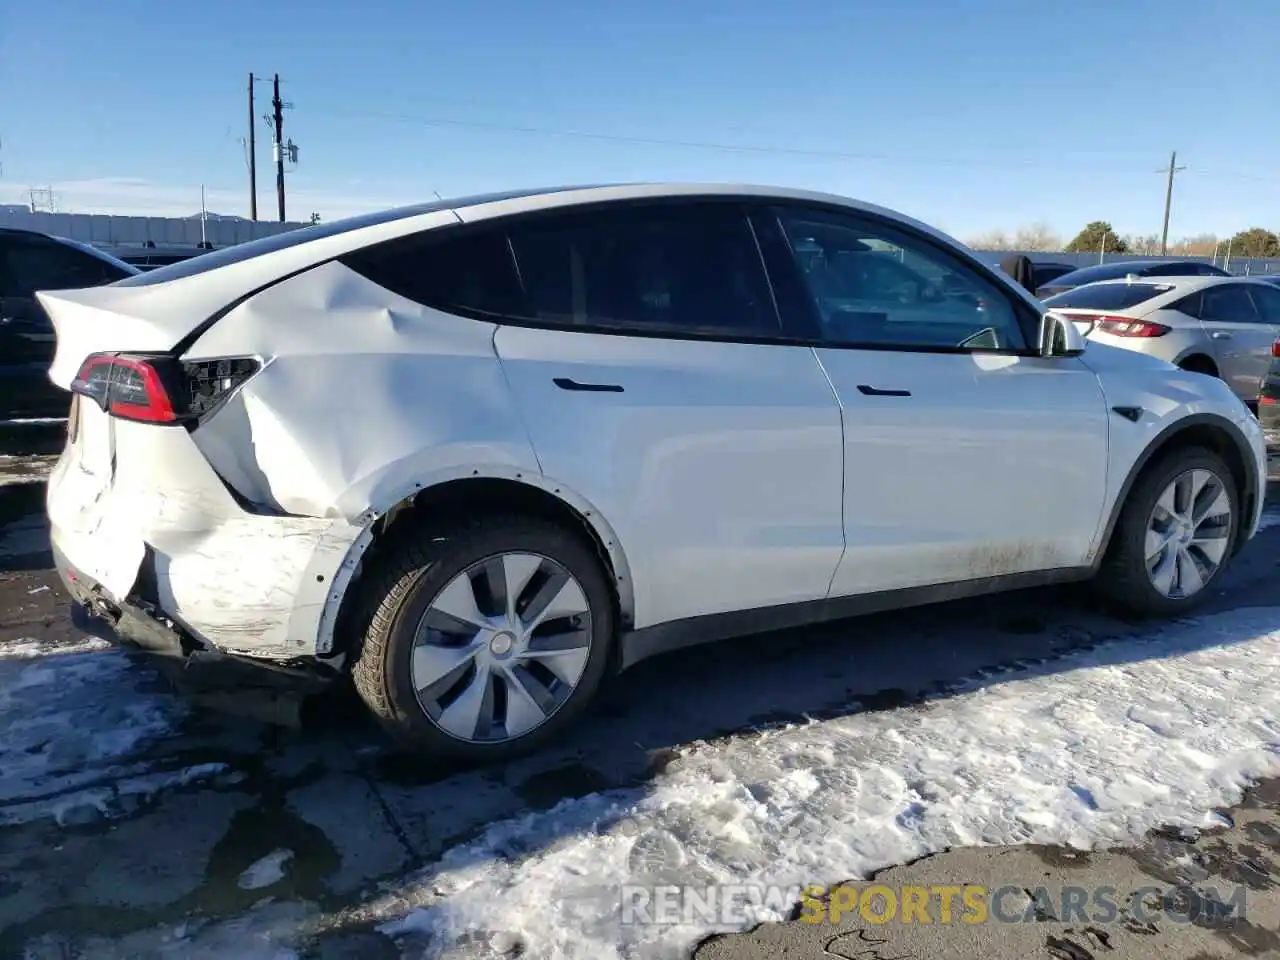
point(359, 813)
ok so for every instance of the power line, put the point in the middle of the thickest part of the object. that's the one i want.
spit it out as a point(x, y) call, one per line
point(667, 142)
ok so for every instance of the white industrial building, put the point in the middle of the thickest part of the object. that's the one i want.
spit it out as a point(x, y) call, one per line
point(135, 236)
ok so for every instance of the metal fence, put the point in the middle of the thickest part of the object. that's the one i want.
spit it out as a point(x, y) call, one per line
point(1243, 266)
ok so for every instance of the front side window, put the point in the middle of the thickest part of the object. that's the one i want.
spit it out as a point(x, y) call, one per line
point(1267, 299)
point(668, 268)
point(874, 286)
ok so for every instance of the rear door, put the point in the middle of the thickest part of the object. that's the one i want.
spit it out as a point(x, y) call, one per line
point(649, 361)
point(1240, 336)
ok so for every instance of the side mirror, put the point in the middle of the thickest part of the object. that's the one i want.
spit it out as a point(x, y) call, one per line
point(1059, 337)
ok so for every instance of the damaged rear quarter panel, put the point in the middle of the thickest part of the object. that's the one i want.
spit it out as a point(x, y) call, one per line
point(364, 397)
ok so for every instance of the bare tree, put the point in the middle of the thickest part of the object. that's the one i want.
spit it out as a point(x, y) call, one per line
point(1144, 245)
point(1037, 238)
point(1201, 245)
point(991, 240)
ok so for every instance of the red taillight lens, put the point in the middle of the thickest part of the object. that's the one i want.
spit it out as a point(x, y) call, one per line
point(1122, 327)
point(1275, 349)
point(126, 387)
point(160, 389)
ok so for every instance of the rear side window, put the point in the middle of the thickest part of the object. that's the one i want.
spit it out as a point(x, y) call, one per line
point(459, 272)
point(1109, 296)
point(1191, 305)
point(675, 268)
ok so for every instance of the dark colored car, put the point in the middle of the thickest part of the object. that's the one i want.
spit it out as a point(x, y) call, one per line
point(1045, 272)
point(1124, 268)
point(31, 261)
point(1271, 278)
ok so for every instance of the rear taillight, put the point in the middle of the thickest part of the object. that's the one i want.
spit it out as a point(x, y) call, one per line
point(1275, 349)
point(152, 389)
point(126, 387)
point(1123, 327)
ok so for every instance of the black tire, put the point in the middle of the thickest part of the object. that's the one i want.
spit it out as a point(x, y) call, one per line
point(1122, 576)
point(408, 575)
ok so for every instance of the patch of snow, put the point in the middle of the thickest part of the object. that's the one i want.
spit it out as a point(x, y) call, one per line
point(74, 727)
point(265, 933)
point(1269, 519)
point(26, 469)
point(265, 872)
point(1095, 748)
point(27, 648)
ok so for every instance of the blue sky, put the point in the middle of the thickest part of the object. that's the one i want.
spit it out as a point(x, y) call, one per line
point(973, 116)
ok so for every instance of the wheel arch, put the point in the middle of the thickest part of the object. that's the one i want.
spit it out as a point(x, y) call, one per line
point(1207, 430)
point(1195, 357)
point(474, 490)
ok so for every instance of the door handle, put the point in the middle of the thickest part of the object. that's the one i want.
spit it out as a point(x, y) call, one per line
point(1220, 335)
point(564, 383)
point(869, 391)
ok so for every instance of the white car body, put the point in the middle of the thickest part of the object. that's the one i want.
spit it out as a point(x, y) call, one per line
point(752, 480)
point(1200, 327)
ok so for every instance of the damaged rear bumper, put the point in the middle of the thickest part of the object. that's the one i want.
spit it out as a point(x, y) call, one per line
point(191, 664)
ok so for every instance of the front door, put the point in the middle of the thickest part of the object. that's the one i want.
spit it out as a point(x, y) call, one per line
point(966, 456)
point(1240, 336)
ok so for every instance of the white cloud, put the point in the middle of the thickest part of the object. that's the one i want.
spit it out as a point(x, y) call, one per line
point(137, 196)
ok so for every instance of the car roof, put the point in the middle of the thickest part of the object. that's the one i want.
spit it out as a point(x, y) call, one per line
point(68, 242)
point(365, 229)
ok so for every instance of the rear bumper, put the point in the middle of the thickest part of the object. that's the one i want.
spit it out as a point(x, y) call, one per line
point(181, 656)
point(159, 530)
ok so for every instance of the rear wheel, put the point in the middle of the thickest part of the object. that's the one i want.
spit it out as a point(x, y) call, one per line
point(1174, 535)
point(485, 643)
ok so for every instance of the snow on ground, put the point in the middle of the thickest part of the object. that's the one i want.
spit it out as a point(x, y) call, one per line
point(75, 718)
point(1097, 748)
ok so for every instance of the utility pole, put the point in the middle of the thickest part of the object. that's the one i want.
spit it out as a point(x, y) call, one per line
point(1168, 202)
point(253, 159)
point(278, 106)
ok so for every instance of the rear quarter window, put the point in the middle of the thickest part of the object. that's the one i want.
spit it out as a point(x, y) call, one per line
point(1108, 296)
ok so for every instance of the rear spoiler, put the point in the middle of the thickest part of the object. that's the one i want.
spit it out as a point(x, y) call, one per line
point(110, 319)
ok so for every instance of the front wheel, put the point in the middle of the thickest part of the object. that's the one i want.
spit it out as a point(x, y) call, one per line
point(1174, 535)
point(487, 642)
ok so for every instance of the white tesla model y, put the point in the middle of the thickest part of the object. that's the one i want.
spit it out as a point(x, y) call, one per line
point(478, 454)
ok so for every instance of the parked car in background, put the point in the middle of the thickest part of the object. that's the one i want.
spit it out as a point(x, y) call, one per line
point(151, 255)
point(483, 453)
point(1045, 272)
point(1271, 278)
point(1125, 268)
point(1269, 402)
point(31, 261)
point(1221, 326)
